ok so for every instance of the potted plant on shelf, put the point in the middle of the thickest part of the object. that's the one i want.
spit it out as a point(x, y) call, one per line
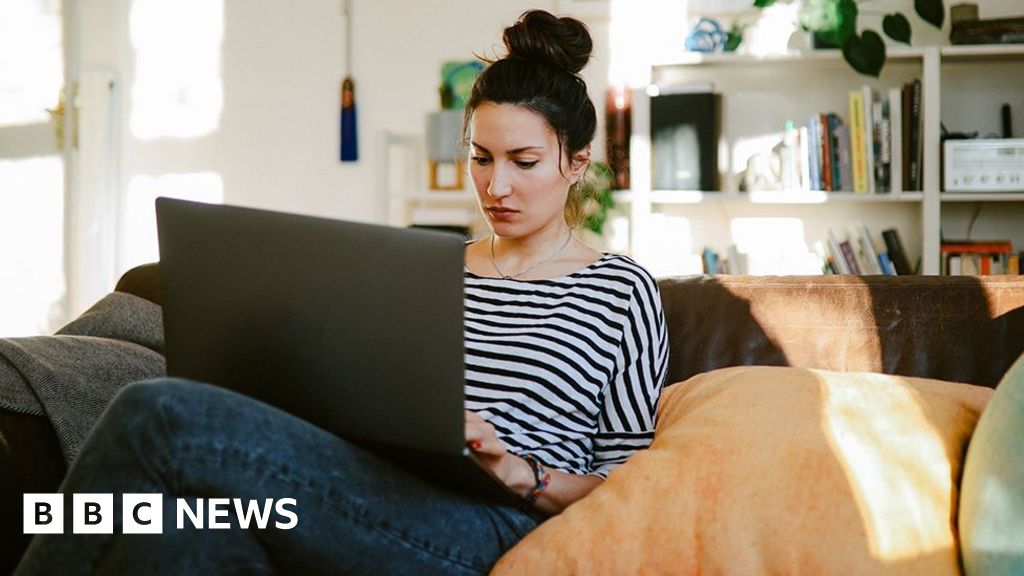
point(835, 21)
point(599, 196)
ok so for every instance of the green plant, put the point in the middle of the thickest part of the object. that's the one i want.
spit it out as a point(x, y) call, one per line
point(835, 21)
point(598, 196)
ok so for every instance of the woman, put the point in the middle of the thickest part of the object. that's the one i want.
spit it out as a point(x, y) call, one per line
point(565, 357)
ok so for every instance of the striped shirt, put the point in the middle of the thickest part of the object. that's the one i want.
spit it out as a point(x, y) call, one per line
point(568, 369)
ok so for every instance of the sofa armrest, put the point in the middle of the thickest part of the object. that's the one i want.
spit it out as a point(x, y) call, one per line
point(965, 329)
point(142, 281)
point(30, 461)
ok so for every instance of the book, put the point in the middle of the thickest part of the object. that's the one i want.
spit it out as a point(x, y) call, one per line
point(814, 149)
point(850, 256)
point(984, 257)
point(837, 258)
point(882, 145)
point(857, 145)
point(969, 265)
point(869, 137)
point(867, 246)
point(894, 246)
point(905, 93)
point(952, 265)
point(990, 31)
point(976, 246)
point(803, 159)
point(709, 259)
point(886, 264)
point(896, 140)
point(841, 157)
point(736, 260)
point(684, 132)
point(915, 149)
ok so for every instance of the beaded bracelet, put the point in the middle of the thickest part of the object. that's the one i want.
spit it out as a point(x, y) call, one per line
point(540, 475)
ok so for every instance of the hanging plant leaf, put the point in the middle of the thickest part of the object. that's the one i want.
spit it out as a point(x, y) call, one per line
point(763, 3)
point(865, 53)
point(733, 41)
point(931, 11)
point(833, 20)
point(734, 38)
point(897, 27)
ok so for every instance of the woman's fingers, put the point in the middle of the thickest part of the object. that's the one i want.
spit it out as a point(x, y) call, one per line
point(481, 437)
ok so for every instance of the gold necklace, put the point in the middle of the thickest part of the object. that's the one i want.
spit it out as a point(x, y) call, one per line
point(528, 268)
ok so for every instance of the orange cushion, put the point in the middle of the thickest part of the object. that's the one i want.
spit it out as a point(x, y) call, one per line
point(775, 470)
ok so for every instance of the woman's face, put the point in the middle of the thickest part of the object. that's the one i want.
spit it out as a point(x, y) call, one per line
point(520, 177)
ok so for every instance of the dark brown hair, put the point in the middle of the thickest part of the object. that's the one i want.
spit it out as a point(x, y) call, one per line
point(540, 72)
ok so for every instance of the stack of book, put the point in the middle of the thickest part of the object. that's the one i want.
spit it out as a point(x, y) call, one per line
point(979, 257)
point(876, 150)
point(858, 254)
point(734, 262)
point(997, 31)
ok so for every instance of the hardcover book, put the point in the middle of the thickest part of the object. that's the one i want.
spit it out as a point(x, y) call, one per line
point(684, 135)
point(858, 147)
point(894, 246)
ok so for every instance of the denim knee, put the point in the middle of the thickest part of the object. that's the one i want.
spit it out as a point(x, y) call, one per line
point(147, 403)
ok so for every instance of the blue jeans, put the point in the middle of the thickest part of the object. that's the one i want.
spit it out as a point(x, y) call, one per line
point(357, 513)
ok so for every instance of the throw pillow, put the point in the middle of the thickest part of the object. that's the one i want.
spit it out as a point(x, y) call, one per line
point(777, 470)
point(992, 492)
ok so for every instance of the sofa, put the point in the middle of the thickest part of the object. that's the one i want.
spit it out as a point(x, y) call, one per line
point(954, 329)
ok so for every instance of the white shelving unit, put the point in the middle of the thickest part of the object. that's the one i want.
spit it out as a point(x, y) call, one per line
point(975, 81)
point(410, 201)
point(759, 94)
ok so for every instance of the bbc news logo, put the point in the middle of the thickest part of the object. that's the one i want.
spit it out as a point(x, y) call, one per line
point(144, 513)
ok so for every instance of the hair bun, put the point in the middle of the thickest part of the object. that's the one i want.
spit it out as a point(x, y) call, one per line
point(539, 36)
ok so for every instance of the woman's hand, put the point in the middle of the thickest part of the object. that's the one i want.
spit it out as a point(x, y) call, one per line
point(483, 440)
point(517, 474)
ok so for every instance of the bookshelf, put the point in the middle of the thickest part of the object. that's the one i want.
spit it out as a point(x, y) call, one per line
point(410, 201)
point(959, 85)
point(974, 81)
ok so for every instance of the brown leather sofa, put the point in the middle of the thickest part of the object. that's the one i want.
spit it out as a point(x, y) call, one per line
point(950, 328)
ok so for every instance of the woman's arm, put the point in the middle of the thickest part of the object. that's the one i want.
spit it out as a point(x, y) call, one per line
point(517, 473)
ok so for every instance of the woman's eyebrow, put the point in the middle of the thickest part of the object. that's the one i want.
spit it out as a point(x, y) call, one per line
point(513, 151)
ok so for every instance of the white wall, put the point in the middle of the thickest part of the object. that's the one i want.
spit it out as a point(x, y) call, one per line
point(276, 142)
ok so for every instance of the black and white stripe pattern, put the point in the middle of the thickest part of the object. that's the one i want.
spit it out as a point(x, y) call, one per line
point(568, 369)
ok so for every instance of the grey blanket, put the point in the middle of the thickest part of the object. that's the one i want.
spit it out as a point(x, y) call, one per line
point(70, 377)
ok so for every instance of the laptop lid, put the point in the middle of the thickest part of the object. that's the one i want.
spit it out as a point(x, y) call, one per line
point(357, 328)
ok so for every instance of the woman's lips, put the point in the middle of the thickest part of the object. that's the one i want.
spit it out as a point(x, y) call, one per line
point(502, 214)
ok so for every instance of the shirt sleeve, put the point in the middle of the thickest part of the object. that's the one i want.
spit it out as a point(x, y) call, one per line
point(630, 400)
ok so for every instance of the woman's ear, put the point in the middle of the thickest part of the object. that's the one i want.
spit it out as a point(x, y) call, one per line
point(580, 161)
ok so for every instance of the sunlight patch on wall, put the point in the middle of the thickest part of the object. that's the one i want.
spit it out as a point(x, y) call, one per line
point(178, 91)
point(31, 60)
point(774, 246)
point(641, 33)
point(140, 220)
point(774, 30)
point(671, 246)
point(32, 234)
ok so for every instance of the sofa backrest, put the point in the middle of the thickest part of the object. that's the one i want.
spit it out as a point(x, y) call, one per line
point(958, 328)
point(963, 329)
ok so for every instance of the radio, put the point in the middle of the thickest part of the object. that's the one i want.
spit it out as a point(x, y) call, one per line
point(984, 165)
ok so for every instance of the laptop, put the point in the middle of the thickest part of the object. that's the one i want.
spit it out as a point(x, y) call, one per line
point(356, 328)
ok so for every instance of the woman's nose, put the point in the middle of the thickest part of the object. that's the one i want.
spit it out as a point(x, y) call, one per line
point(500, 184)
